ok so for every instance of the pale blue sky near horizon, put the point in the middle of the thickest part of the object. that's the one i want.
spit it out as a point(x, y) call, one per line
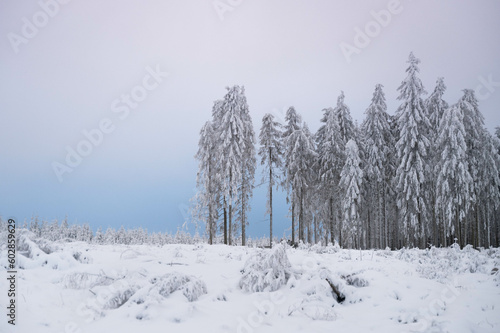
point(70, 73)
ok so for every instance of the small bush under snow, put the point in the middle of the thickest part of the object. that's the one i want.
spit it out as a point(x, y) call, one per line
point(192, 288)
point(85, 280)
point(266, 270)
point(120, 297)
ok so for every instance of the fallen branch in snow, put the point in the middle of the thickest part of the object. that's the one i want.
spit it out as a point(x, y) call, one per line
point(177, 263)
point(340, 296)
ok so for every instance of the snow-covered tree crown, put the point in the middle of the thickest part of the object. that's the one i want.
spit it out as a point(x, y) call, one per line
point(412, 86)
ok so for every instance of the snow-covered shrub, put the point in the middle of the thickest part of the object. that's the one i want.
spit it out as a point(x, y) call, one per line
point(303, 246)
point(384, 253)
point(120, 297)
point(332, 248)
point(406, 254)
point(37, 252)
point(27, 247)
point(442, 263)
point(320, 249)
point(317, 248)
point(266, 270)
point(354, 280)
point(83, 258)
point(85, 280)
point(316, 299)
point(192, 288)
point(314, 307)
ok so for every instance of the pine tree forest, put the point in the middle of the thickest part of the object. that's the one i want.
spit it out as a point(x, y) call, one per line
point(428, 175)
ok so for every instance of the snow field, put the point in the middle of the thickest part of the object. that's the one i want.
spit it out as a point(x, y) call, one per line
point(80, 287)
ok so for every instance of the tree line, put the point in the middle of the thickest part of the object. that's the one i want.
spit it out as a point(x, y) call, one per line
point(427, 175)
point(65, 232)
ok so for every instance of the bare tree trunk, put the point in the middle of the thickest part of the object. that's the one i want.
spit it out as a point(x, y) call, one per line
point(488, 225)
point(316, 229)
point(368, 224)
point(434, 225)
point(210, 224)
point(466, 229)
point(380, 215)
point(309, 230)
point(225, 221)
point(243, 219)
point(270, 203)
point(424, 235)
point(340, 232)
point(301, 218)
point(444, 232)
point(229, 224)
point(293, 220)
point(332, 233)
point(210, 213)
point(477, 226)
point(386, 231)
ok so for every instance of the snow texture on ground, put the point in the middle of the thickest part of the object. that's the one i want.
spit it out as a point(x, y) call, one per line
point(80, 287)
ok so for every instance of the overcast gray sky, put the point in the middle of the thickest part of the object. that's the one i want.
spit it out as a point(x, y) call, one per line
point(67, 72)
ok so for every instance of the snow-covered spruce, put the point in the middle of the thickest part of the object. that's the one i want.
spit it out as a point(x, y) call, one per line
point(271, 153)
point(412, 148)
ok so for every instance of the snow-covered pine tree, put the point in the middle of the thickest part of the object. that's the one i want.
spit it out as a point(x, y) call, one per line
point(54, 232)
point(308, 206)
point(34, 226)
point(207, 179)
point(474, 131)
point(378, 142)
point(392, 212)
point(346, 124)
point(412, 148)
point(351, 179)
point(292, 124)
point(232, 135)
point(121, 236)
point(217, 114)
point(300, 154)
point(331, 159)
point(454, 183)
point(435, 107)
point(45, 230)
point(248, 166)
point(86, 233)
point(110, 236)
point(271, 154)
point(99, 236)
point(64, 228)
point(320, 133)
point(490, 192)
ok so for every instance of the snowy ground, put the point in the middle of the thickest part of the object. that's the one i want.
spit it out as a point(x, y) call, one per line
point(202, 288)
